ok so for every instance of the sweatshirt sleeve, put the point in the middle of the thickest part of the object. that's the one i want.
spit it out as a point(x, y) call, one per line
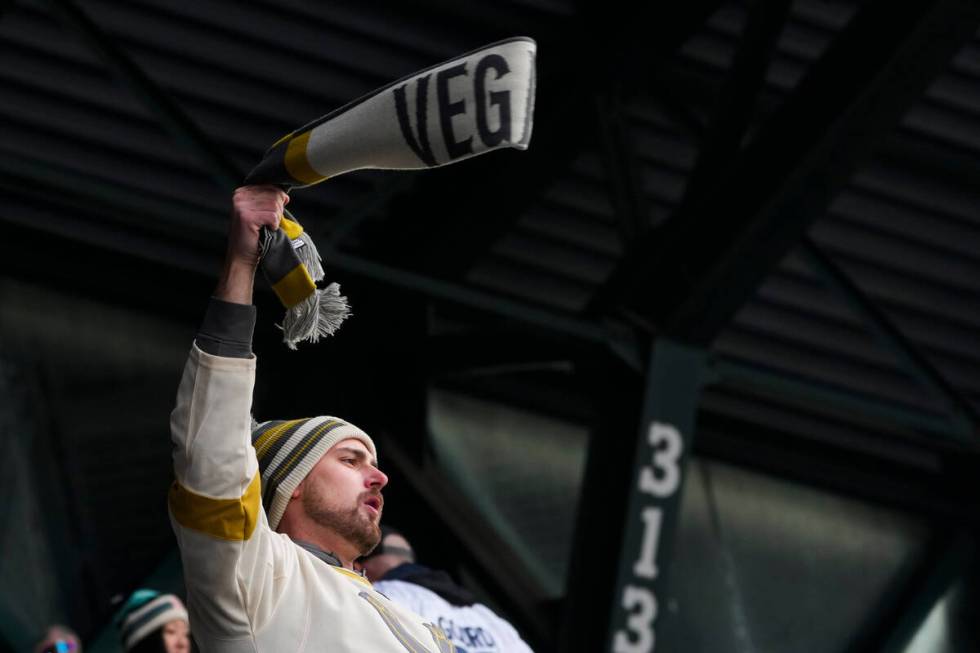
point(227, 329)
point(230, 555)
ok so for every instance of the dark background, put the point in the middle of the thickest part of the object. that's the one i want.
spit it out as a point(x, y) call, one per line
point(789, 186)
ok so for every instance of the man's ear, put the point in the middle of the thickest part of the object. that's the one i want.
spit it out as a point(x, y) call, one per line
point(298, 492)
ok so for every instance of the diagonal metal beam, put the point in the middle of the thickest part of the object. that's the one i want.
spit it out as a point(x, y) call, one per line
point(720, 142)
point(952, 565)
point(693, 274)
point(914, 477)
point(621, 168)
point(40, 179)
point(895, 620)
point(720, 147)
point(24, 172)
point(738, 374)
point(184, 130)
point(723, 140)
point(565, 335)
point(615, 394)
point(226, 174)
point(35, 178)
point(964, 415)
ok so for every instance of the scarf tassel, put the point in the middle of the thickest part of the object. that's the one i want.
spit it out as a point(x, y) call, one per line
point(323, 311)
point(317, 316)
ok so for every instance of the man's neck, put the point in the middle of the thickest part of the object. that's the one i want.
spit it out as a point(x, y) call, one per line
point(327, 556)
point(327, 542)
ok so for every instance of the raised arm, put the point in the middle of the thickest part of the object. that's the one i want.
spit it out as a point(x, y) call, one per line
point(215, 502)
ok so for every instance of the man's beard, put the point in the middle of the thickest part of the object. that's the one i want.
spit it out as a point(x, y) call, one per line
point(352, 525)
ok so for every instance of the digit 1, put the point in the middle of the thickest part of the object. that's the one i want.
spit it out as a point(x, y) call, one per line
point(646, 564)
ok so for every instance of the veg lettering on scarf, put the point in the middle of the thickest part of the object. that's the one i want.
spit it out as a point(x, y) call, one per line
point(471, 104)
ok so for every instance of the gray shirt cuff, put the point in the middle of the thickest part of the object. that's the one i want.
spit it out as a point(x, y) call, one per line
point(226, 329)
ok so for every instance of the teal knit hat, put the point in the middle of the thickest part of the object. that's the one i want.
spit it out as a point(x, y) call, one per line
point(144, 612)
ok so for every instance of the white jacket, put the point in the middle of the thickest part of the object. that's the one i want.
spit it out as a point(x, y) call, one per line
point(471, 629)
point(249, 588)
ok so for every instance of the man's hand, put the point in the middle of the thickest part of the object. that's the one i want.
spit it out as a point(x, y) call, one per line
point(253, 207)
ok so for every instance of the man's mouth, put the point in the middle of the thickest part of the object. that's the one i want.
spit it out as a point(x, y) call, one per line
point(375, 503)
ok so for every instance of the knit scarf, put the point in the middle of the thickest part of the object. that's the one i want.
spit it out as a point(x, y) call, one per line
point(477, 102)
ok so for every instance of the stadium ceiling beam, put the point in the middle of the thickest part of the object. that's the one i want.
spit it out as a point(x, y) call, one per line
point(530, 335)
point(721, 145)
point(225, 173)
point(455, 214)
point(963, 416)
point(720, 140)
point(562, 338)
point(180, 127)
point(739, 96)
point(737, 374)
point(482, 349)
point(692, 274)
point(621, 167)
point(49, 184)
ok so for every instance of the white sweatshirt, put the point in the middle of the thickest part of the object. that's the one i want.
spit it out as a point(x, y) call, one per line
point(249, 588)
point(471, 629)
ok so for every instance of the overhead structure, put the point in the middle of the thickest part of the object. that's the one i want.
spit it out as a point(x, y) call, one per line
point(727, 301)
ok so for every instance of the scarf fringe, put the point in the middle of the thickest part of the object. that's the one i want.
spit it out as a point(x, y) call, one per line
point(309, 256)
point(319, 315)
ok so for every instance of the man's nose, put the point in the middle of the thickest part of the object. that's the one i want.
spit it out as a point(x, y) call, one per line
point(376, 478)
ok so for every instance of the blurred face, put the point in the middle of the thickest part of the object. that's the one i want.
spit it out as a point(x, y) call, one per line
point(376, 566)
point(59, 640)
point(343, 493)
point(176, 636)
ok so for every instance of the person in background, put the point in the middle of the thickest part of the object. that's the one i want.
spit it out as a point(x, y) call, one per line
point(59, 639)
point(150, 622)
point(471, 626)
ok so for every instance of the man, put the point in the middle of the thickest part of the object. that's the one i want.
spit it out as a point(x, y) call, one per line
point(471, 626)
point(279, 579)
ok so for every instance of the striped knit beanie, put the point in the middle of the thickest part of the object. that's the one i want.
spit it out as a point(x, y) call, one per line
point(288, 449)
point(144, 612)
